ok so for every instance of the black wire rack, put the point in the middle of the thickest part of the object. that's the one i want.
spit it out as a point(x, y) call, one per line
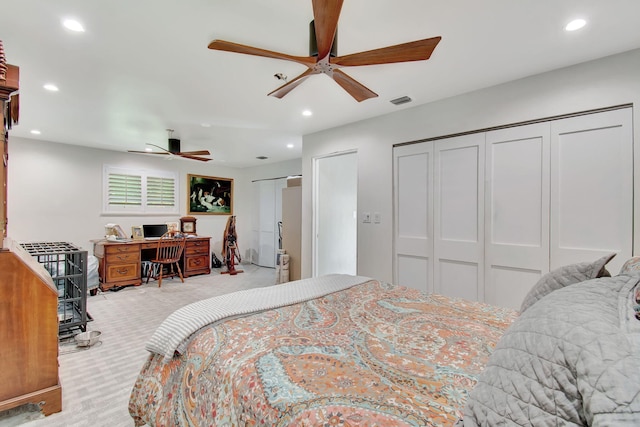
point(67, 265)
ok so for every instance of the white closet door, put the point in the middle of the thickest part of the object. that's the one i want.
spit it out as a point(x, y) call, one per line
point(591, 188)
point(516, 212)
point(413, 216)
point(459, 217)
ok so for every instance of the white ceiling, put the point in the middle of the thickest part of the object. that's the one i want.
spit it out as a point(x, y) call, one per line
point(143, 66)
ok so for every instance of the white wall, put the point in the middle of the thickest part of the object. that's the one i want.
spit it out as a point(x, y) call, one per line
point(55, 192)
point(601, 83)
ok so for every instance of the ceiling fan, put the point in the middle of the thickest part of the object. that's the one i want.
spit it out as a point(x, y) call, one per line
point(326, 14)
point(174, 150)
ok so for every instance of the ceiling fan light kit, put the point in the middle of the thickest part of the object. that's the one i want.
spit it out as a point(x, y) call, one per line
point(323, 53)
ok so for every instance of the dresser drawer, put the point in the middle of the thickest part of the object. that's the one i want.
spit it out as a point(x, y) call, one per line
point(122, 272)
point(123, 258)
point(196, 262)
point(197, 247)
point(121, 249)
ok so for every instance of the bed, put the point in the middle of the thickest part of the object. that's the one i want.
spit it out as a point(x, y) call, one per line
point(337, 350)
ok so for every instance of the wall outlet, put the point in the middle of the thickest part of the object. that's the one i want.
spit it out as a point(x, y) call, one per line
point(366, 217)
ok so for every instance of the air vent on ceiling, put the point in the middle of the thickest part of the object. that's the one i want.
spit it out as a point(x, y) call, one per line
point(401, 100)
point(262, 157)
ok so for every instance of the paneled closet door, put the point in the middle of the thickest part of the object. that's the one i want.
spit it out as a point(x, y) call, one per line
point(413, 216)
point(459, 217)
point(516, 212)
point(591, 188)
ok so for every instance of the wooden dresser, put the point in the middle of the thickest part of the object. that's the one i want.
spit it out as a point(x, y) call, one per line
point(28, 333)
point(119, 263)
point(28, 297)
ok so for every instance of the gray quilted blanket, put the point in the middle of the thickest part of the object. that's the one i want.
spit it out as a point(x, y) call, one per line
point(571, 359)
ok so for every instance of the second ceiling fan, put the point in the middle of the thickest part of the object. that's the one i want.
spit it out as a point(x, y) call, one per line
point(173, 149)
point(326, 14)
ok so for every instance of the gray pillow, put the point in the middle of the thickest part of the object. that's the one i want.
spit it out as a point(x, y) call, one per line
point(565, 276)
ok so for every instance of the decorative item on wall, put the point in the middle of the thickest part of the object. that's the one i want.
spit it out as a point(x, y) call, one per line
point(209, 195)
point(188, 225)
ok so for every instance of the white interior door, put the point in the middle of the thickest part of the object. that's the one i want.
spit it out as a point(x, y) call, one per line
point(591, 188)
point(516, 212)
point(335, 214)
point(267, 213)
point(459, 217)
point(413, 216)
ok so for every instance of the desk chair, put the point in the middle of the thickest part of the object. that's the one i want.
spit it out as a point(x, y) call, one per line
point(168, 254)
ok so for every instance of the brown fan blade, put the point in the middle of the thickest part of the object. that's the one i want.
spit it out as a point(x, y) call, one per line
point(187, 156)
point(355, 89)
point(249, 50)
point(325, 15)
point(195, 153)
point(147, 152)
point(418, 50)
point(161, 148)
point(289, 86)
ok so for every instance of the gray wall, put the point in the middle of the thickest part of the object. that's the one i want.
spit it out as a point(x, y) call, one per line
point(601, 83)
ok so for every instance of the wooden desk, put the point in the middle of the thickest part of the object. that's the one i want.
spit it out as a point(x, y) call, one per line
point(119, 262)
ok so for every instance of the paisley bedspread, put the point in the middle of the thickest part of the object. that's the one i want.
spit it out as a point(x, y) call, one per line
point(371, 355)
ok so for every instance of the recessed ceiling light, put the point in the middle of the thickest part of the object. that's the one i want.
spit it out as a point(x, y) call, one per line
point(148, 149)
point(289, 145)
point(73, 25)
point(35, 132)
point(307, 113)
point(205, 125)
point(576, 24)
point(51, 87)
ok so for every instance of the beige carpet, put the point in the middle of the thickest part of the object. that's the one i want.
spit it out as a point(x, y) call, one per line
point(97, 382)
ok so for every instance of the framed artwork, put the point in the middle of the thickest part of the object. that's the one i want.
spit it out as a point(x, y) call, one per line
point(209, 195)
point(137, 233)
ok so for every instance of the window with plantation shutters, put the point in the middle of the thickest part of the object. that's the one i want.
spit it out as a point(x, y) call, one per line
point(125, 190)
point(131, 191)
point(161, 191)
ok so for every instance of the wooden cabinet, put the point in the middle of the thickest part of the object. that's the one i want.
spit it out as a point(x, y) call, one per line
point(9, 83)
point(28, 298)
point(195, 259)
point(122, 265)
point(28, 333)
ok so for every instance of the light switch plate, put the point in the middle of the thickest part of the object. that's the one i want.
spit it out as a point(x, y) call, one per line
point(366, 217)
point(376, 217)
